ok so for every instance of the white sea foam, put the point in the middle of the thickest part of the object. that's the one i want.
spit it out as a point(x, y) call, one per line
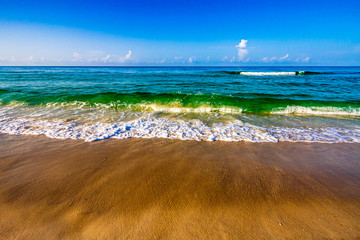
point(267, 73)
point(174, 107)
point(152, 127)
point(325, 135)
point(318, 111)
point(180, 109)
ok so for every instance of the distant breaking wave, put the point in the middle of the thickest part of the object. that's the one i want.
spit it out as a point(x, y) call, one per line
point(273, 73)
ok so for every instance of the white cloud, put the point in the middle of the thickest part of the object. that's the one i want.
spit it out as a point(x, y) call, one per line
point(242, 43)
point(128, 56)
point(76, 57)
point(303, 60)
point(124, 59)
point(107, 58)
point(100, 57)
point(180, 59)
point(278, 59)
point(242, 51)
point(273, 59)
point(284, 57)
point(191, 59)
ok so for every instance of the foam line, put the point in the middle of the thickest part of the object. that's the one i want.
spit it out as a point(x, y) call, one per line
point(176, 129)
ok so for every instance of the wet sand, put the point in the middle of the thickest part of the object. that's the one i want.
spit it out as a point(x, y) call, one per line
point(168, 189)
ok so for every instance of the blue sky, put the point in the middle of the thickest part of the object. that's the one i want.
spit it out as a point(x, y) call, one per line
point(175, 32)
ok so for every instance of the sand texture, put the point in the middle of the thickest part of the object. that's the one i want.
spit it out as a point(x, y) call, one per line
point(169, 189)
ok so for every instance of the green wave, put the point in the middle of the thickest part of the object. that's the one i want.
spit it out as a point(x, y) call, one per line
point(178, 102)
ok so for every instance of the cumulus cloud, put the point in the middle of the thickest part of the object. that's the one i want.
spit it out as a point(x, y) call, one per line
point(242, 43)
point(307, 59)
point(242, 51)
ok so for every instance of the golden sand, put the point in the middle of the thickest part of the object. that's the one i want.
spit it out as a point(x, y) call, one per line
point(168, 189)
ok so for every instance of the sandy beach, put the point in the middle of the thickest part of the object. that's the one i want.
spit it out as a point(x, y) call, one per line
point(170, 189)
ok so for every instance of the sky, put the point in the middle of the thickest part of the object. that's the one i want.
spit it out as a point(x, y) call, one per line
point(179, 33)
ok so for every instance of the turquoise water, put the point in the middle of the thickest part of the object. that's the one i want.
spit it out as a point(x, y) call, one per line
point(315, 104)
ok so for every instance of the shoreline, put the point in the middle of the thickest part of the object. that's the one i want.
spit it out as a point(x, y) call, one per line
point(175, 189)
point(180, 129)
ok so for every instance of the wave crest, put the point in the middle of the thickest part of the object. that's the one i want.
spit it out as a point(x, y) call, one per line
point(246, 73)
point(237, 106)
point(318, 111)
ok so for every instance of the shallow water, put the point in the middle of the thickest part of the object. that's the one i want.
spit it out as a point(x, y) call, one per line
point(312, 104)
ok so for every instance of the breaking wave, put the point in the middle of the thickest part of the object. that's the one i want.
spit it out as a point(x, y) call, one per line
point(151, 127)
point(318, 111)
point(187, 103)
point(246, 73)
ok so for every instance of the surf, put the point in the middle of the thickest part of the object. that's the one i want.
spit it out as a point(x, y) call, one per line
point(151, 127)
point(291, 73)
point(179, 103)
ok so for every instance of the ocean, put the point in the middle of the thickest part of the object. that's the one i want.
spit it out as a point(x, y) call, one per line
point(256, 104)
